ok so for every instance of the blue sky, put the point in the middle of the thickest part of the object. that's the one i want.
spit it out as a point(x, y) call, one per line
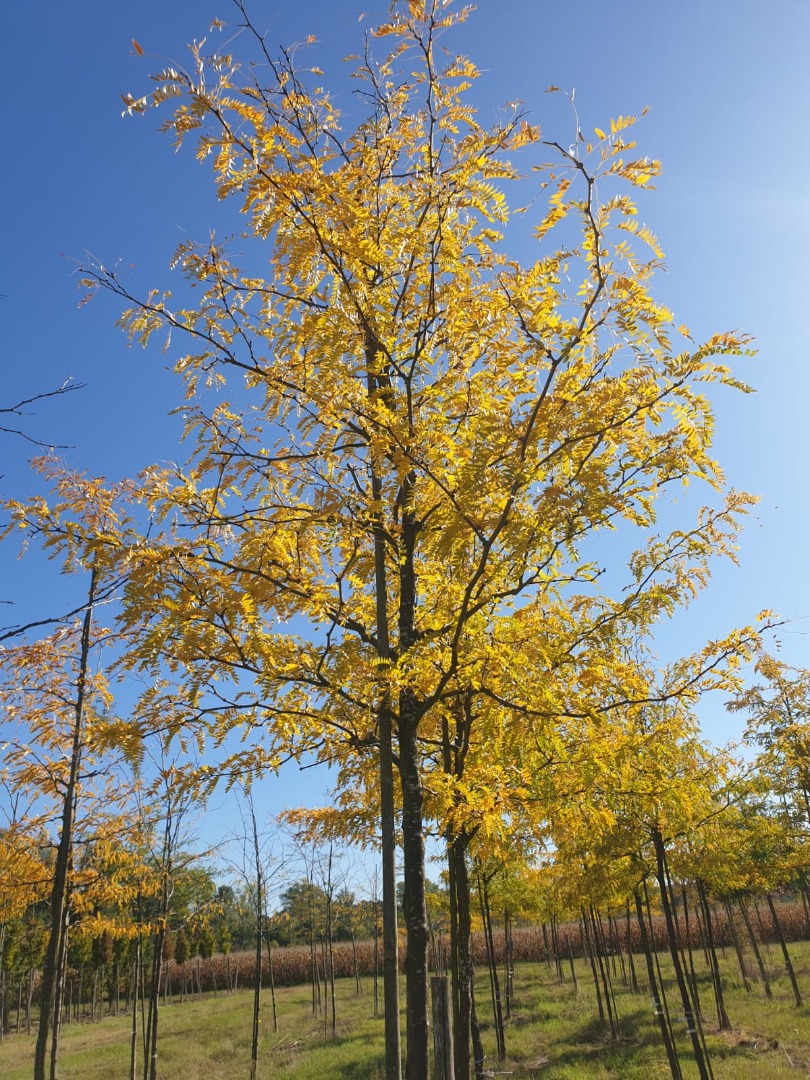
point(728, 86)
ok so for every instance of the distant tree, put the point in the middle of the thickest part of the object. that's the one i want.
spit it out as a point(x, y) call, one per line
point(304, 906)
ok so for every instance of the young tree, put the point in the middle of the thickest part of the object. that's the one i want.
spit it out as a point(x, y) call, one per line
point(778, 715)
point(422, 431)
point(57, 699)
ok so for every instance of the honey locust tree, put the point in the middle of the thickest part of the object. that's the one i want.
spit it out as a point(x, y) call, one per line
point(777, 708)
point(56, 698)
point(399, 429)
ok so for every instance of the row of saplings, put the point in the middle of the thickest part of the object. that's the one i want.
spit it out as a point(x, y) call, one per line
point(106, 973)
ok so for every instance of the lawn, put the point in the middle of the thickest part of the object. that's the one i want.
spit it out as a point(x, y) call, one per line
point(554, 1034)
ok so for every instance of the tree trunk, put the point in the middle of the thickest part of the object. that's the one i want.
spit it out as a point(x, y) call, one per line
point(495, 986)
point(763, 974)
point(154, 1000)
point(509, 962)
point(475, 1031)
point(376, 962)
point(460, 959)
point(64, 855)
point(688, 935)
point(723, 1021)
point(588, 947)
point(442, 1028)
point(567, 940)
point(413, 898)
point(330, 953)
point(393, 1049)
point(616, 948)
point(629, 945)
point(692, 1019)
point(546, 948)
point(735, 940)
point(272, 978)
point(413, 836)
point(656, 993)
point(797, 997)
point(257, 974)
point(604, 971)
point(133, 1049)
point(59, 996)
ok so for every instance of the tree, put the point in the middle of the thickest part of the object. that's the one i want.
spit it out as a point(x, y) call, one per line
point(423, 432)
point(778, 712)
point(57, 697)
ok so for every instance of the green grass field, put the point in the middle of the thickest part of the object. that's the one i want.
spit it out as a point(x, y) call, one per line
point(554, 1034)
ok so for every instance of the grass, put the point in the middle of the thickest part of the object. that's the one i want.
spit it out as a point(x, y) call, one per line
point(554, 1034)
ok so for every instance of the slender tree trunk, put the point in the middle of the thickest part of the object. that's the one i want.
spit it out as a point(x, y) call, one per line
point(616, 947)
point(507, 963)
point(64, 854)
point(257, 976)
point(142, 992)
point(494, 982)
point(313, 963)
point(358, 989)
point(475, 1031)
point(154, 1004)
point(604, 970)
point(723, 1021)
point(272, 978)
point(763, 974)
point(629, 945)
point(29, 1000)
point(567, 941)
point(688, 935)
point(329, 948)
point(587, 945)
point(735, 940)
point(60, 991)
point(797, 997)
point(763, 935)
point(556, 949)
point(2, 982)
point(393, 1049)
point(133, 1048)
point(656, 993)
point(692, 1019)
point(546, 948)
point(376, 963)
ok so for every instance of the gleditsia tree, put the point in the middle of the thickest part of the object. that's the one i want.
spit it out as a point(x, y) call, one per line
point(421, 430)
point(499, 771)
point(630, 799)
point(24, 877)
point(56, 698)
point(778, 715)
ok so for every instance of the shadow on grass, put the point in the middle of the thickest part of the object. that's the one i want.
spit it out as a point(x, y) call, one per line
point(587, 1049)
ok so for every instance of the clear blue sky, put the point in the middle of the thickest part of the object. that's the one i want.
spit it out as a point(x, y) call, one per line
point(729, 89)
